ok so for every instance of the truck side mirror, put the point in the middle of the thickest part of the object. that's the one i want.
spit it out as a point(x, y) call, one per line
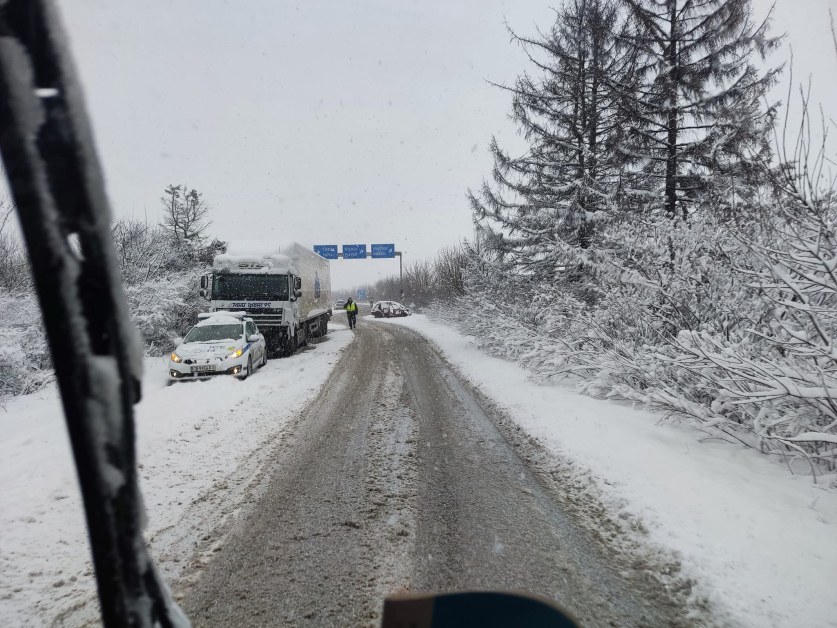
point(204, 293)
point(204, 283)
point(297, 292)
point(298, 283)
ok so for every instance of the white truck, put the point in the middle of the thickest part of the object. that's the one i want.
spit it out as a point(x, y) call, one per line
point(286, 290)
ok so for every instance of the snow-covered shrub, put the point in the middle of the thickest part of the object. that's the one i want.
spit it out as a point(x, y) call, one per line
point(14, 267)
point(780, 377)
point(161, 284)
point(144, 251)
point(730, 327)
point(165, 307)
point(162, 308)
point(25, 364)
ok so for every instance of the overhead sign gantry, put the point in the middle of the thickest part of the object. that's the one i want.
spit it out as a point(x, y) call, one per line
point(359, 251)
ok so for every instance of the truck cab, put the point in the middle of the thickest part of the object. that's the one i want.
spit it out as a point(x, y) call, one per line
point(270, 287)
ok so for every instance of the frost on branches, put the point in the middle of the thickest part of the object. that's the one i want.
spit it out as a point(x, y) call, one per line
point(734, 330)
point(161, 284)
point(647, 245)
point(784, 388)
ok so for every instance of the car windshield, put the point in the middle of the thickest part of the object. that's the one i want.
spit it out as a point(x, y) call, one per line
point(250, 287)
point(206, 333)
point(617, 199)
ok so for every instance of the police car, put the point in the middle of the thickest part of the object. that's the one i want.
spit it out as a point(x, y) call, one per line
point(222, 343)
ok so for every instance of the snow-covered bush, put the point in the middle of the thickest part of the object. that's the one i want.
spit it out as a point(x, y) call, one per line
point(780, 377)
point(161, 283)
point(165, 307)
point(25, 364)
point(732, 328)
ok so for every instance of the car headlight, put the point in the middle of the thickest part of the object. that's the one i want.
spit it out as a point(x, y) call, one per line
point(235, 354)
point(175, 358)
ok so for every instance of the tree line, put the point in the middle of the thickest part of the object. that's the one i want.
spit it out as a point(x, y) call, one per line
point(661, 238)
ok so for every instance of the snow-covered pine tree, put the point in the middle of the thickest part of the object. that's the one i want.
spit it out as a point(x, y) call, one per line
point(549, 198)
point(697, 109)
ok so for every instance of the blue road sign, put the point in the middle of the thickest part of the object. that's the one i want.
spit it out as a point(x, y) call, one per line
point(383, 250)
point(361, 294)
point(328, 251)
point(354, 251)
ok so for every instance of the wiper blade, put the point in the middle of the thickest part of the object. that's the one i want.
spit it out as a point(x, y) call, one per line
point(54, 175)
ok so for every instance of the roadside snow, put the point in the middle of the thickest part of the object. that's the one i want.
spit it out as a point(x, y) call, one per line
point(191, 437)
point(761, 544)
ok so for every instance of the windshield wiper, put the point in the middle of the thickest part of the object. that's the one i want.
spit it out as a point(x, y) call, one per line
point(53, 172)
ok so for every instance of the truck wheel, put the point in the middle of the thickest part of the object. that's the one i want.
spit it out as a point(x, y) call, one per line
point(288, 347)
point(274, 345)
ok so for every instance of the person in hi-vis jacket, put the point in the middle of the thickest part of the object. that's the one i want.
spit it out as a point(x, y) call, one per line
point(351, 312)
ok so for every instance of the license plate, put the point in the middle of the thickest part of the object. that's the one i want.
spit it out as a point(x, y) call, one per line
point(203, 368)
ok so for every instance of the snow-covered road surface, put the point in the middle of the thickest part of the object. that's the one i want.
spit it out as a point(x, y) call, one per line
point(760, 543)
point(201, 446)
point(401, 477)
point(409, 473)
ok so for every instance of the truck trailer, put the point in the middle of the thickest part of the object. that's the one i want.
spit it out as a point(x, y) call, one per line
point(286, 290)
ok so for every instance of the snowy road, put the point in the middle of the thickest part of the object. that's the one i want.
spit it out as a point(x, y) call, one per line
point(202, 449)
point(400, 476)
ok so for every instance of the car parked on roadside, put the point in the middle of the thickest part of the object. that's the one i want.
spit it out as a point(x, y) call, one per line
point(222, 343)
point(389, 309)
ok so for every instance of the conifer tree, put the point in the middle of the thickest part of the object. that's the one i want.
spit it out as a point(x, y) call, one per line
point(551, 197)
point(697, 111)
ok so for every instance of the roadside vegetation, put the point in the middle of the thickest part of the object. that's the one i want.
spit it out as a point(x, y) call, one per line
point(668, 237)
point(160, 263)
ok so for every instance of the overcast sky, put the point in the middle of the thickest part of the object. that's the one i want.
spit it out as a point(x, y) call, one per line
point(327, 122)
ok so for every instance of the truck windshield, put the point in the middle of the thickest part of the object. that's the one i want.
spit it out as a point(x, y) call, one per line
point(214, 332)
point(250, 287)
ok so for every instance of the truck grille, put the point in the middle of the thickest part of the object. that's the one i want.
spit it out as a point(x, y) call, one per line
point(266, 320)
point(263, 317)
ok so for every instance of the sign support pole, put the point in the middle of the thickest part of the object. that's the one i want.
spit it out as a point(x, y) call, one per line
point(400, 274)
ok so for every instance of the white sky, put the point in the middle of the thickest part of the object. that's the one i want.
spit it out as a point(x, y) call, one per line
point(327, 122)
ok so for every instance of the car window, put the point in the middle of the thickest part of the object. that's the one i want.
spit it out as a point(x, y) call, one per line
point(204, 333)
point(230, 287)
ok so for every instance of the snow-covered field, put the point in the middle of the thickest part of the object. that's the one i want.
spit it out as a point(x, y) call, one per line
point(199, 444)
point(761, 544)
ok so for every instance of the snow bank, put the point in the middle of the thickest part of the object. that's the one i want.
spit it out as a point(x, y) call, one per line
point(191, 438)
point(759, 543)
